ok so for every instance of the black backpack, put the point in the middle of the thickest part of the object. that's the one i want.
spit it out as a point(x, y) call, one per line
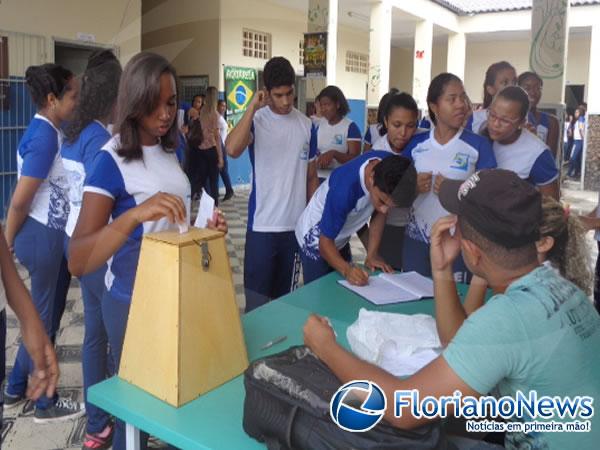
point(302, 421)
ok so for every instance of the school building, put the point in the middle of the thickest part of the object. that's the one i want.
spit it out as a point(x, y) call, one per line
point(371, 45)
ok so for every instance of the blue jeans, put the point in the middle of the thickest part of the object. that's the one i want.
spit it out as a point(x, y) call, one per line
point(224, 172)
point(313, 269)
point(415, 257)
point(575, 161)
point(40, 249)
point(95, 343)
point(271, 266)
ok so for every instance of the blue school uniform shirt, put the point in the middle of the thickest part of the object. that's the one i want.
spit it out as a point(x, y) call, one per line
point(542, 127)
point(77, 159)
point(38, 156)
point(542, 334)
point(129, 184)
point(339, 208)
point(282, 147)
point(335, 138)
point(529, 157)
point(460, 157)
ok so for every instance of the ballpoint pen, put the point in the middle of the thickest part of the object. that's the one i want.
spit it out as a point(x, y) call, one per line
point(273, 342)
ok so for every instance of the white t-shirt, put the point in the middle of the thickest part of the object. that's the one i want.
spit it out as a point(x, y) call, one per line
point(335, 138)
point(280, 152)
point(222, 128)
point(129, 184)
point(529, 157)
point(38, 156)
point(372, 136)
point(477, 121)
point(458, 159)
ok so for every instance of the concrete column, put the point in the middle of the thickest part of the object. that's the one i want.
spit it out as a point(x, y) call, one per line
point(591, 155)
point(380, 41)
point(457, 53)
point(422, 61)
point(323, 17)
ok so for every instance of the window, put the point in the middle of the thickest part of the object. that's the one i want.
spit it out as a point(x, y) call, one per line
point(357, 62)
point(192, 85)
point(301, 52)
point(256, 44)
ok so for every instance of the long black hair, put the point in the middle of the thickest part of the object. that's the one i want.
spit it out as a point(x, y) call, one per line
point(45, 80)
point(139, 93)
point(436, 90)
point(490, 78)
point(98, 94)
point(336, 95)
point(382, 107)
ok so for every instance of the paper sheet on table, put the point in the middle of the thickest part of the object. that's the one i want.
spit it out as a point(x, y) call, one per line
point(411, 281)
point(399, 343)
point(205, 210)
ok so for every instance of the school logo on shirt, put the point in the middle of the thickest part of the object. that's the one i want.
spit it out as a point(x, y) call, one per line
point(461, 161)
point(338, 139)
point(304, 152)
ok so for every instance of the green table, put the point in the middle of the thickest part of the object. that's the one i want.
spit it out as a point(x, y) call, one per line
point(214, 420)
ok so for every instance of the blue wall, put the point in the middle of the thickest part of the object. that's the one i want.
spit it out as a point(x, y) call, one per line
point(358, 113)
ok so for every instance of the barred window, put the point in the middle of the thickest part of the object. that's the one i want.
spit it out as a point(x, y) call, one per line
point(357, 62)
point(256, 44)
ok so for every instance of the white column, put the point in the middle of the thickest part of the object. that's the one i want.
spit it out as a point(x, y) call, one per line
point(593, 94)
point(380, 41)
point(549, 47)
point(457, 54)
point(422, 61)
point(323, 17)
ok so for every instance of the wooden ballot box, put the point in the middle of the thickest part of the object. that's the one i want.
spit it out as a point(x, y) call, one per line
point(184, 335)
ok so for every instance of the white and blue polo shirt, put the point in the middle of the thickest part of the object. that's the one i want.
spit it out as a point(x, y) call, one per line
point(38, 156)
point(280, 152)
point(458, 159)
point(339, 208)
point(529, 157)
point(373, 136)
point(129, 184)
point(335, 138)
point(542, 127)
point(476, 123)
point(77, 159)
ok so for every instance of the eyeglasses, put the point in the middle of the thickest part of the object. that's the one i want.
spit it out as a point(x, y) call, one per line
point(503, 121)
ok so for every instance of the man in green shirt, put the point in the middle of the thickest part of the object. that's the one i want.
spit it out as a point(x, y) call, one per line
point(537, 333)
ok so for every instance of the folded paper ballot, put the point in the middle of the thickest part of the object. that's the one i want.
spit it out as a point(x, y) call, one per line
point(389, 288)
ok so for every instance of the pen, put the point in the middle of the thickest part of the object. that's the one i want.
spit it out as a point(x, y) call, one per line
point(275, 341)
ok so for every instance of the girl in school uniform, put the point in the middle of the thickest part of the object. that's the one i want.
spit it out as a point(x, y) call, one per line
point(84, 137)
point(376, 130)
point(400, 120)
point(516, 148)
point(36, 222)
point(576, 153)
point(544, 125)
point(136, 186)
point(497, 77)
point(338, 138)
point(446, 151)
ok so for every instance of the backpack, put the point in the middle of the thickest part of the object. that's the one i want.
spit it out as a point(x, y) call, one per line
point(287, 407)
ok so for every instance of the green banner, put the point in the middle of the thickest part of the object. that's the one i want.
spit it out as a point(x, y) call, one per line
point(240, 86)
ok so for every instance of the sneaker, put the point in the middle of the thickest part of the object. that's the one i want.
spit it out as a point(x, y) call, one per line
point(97, 441)
point(64, 409)
point(228, 195)
point(12, 401)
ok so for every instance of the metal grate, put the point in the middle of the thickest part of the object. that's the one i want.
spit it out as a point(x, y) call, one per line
point(191, 86)
point(357, 62)
point(256, 44)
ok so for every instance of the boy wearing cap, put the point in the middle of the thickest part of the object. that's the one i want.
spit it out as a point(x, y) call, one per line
point(361, 189)
point(538, 332)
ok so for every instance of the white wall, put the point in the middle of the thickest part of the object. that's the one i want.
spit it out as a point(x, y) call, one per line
point(401, 69)
point(112, 22)
point(352, 84)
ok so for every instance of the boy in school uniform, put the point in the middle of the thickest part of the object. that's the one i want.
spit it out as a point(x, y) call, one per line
point(343, 204)
point(281, 142)
point(539, 332)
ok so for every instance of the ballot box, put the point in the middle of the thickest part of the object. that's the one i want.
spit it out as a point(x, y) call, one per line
point(184, 335)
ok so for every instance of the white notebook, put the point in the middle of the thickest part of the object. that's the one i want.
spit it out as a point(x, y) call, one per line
point(389, 288)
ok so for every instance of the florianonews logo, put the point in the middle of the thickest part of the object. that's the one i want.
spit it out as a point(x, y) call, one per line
point(358, 406)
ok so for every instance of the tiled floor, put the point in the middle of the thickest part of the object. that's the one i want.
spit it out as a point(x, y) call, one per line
point(19, 431)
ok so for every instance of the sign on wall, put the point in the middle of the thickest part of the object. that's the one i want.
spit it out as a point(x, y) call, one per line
point(315, 54)
point(240, 86)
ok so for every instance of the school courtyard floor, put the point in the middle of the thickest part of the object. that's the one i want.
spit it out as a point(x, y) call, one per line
point(20, 433)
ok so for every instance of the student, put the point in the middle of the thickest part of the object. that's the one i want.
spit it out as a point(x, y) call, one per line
point(515, 147)
point(282, 146)
point(136, 186)
point(44, 375)
point(497, 77)
point(338, 138)
point(568, 136)
point(223, 128)
point(376, 130)
point(36, 221)
point(543, 124)
point(316, 117)
point(342, 205)
point(400, 123)
point(520, 340)
point(209, 154)
point(85, 135)
point(562, 246)
point(446, 151)
point(578, 136)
